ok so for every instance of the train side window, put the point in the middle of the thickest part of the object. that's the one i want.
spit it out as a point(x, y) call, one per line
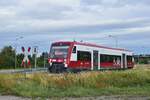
point(109, 58)
point(74, 49)
point(84, 56)
point(129, 58)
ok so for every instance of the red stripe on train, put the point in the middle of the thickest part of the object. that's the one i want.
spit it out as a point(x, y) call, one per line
point(80, 64)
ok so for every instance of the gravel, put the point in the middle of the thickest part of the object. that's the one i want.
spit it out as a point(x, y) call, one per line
point(80, 98)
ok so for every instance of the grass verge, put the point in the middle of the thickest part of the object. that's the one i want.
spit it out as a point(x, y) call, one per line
point(129, 82)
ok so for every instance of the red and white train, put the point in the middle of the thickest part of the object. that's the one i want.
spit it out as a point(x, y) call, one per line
point(76, 56)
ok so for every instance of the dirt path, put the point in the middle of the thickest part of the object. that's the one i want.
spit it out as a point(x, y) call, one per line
point(81, 98)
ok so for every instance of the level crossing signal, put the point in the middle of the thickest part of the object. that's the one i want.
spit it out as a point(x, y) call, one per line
point(26, 60)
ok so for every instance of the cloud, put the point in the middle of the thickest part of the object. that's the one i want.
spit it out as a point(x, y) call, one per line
point(44, 21)
point(115, 3)
point(7, 3)
point(46, 9)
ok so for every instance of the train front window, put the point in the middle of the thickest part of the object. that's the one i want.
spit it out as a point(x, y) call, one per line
point(59, 52)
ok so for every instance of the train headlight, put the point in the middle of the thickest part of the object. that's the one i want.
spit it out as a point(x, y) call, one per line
point(50, 63)
point(66, 65)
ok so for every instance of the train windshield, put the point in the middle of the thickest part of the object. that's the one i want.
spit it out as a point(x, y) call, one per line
point(59, 52)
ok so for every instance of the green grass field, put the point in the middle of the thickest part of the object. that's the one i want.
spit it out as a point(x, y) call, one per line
point(95, 83)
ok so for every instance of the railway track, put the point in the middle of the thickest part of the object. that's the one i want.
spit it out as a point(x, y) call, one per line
point(29, 70)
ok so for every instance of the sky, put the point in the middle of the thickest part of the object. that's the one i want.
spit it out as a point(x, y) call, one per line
point(41, 22)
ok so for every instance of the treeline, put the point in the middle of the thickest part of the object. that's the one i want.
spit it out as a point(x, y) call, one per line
point(142, 59)
point(7, 59)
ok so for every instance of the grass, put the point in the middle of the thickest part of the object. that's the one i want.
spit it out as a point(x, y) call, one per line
point(94, 83)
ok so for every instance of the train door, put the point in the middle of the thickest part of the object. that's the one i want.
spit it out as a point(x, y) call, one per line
point(95, 60)
point(124, 60)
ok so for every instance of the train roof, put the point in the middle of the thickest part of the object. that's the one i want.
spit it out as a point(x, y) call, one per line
point(91, 45)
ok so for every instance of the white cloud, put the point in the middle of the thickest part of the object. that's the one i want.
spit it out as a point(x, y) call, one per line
point(86, 19)
point(69, 3)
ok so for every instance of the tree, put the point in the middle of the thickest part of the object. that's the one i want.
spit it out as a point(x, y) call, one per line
point(42, 59)
point(19, 59)
point(7, 57)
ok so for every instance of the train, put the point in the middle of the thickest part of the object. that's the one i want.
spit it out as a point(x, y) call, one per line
point(76, 56)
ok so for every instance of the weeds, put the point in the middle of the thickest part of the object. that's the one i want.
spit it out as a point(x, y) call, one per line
point(81, 84)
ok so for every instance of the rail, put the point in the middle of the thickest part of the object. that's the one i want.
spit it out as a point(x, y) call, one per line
point(29, 70)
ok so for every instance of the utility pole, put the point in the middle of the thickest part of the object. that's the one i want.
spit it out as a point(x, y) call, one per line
point(116, 40)
point(15, 57)
point(35, 62)
point(44, 59)
point(35, 51)
point(16, 50)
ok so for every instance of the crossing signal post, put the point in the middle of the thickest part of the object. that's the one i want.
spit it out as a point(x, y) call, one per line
point(35, 52)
